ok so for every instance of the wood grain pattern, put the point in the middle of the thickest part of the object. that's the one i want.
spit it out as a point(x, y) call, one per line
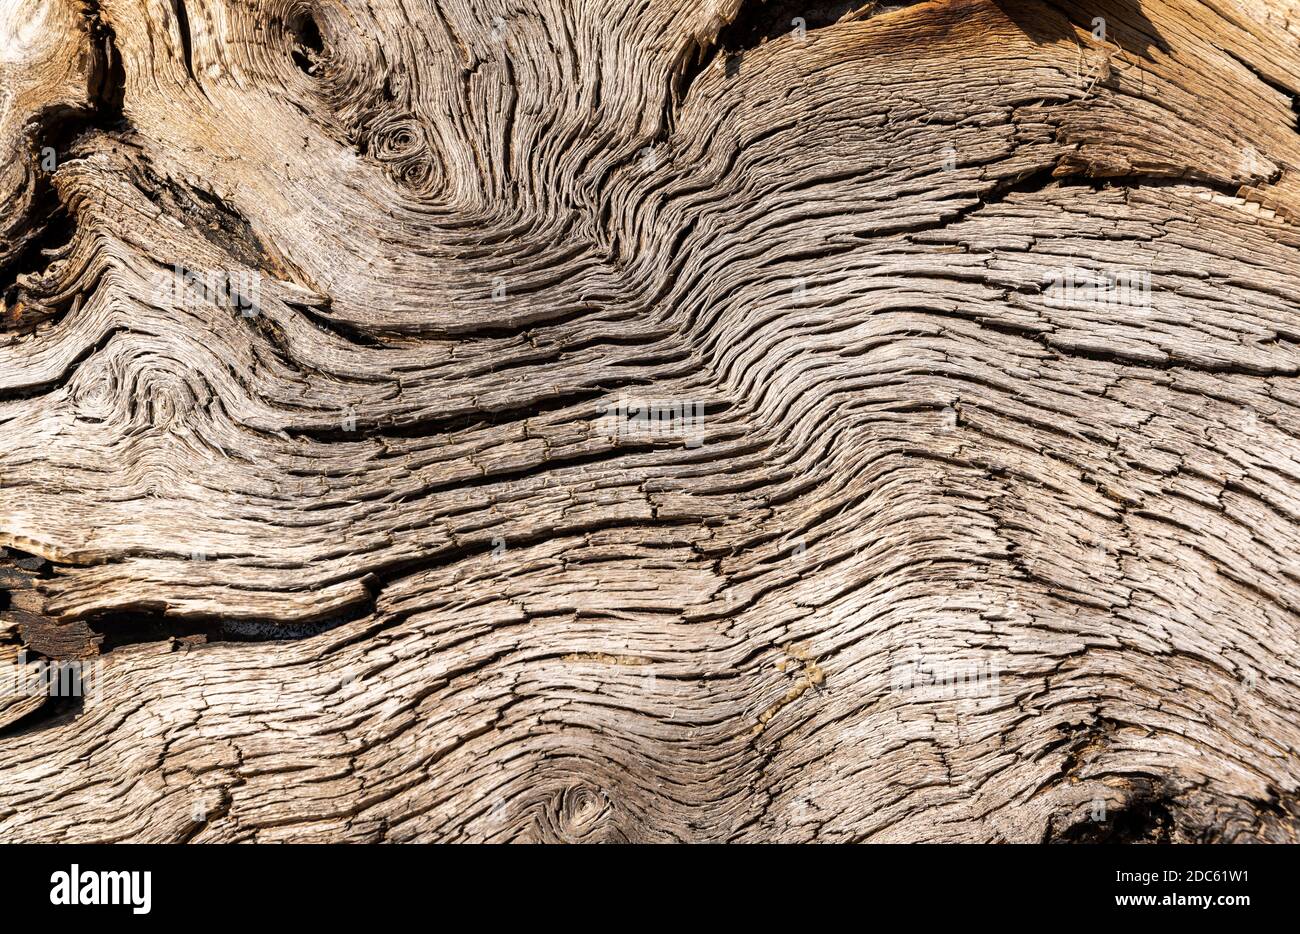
point(967, 508)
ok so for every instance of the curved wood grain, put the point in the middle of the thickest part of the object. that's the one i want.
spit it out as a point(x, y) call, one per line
point(971, 515)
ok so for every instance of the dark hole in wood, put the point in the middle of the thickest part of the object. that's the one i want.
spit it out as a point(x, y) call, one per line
point(309, 47)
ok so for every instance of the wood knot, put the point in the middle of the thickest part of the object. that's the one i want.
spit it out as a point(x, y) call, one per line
point(581, 813)
point(402, 145)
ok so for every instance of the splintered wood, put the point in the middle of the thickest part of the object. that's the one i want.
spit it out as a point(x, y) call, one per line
point(688, 420)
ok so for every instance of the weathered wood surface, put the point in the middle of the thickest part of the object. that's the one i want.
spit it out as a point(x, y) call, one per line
point(353, 554)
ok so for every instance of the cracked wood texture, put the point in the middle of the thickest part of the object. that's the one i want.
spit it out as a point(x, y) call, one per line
point(355, 552)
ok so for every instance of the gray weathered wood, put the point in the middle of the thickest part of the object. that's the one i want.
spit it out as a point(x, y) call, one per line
point(315, 337)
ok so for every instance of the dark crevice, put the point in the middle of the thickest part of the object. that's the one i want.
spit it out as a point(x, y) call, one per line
point(32, 390)
point(308, 48)
point(1146, 817)
point(449, 424)
point(135, 625)
point(1292, 97)
point(41, 642)
point(124, 627)
point(340, 329)
point(118, 629)
point(34, 565)
point(209, 215)
point(1146, 813)
point(48, 238)
point(1039, 180)
point(1044, 179)
point(1127, 27)
point(56, 710)
point(758, 23)
point(49, 228)
point(187, 51)
point(110, 88)
point(19, 574)
point(1281, 809)
point(226, 228)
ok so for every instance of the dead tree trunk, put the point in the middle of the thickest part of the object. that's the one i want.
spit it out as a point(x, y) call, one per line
point(685, 420)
